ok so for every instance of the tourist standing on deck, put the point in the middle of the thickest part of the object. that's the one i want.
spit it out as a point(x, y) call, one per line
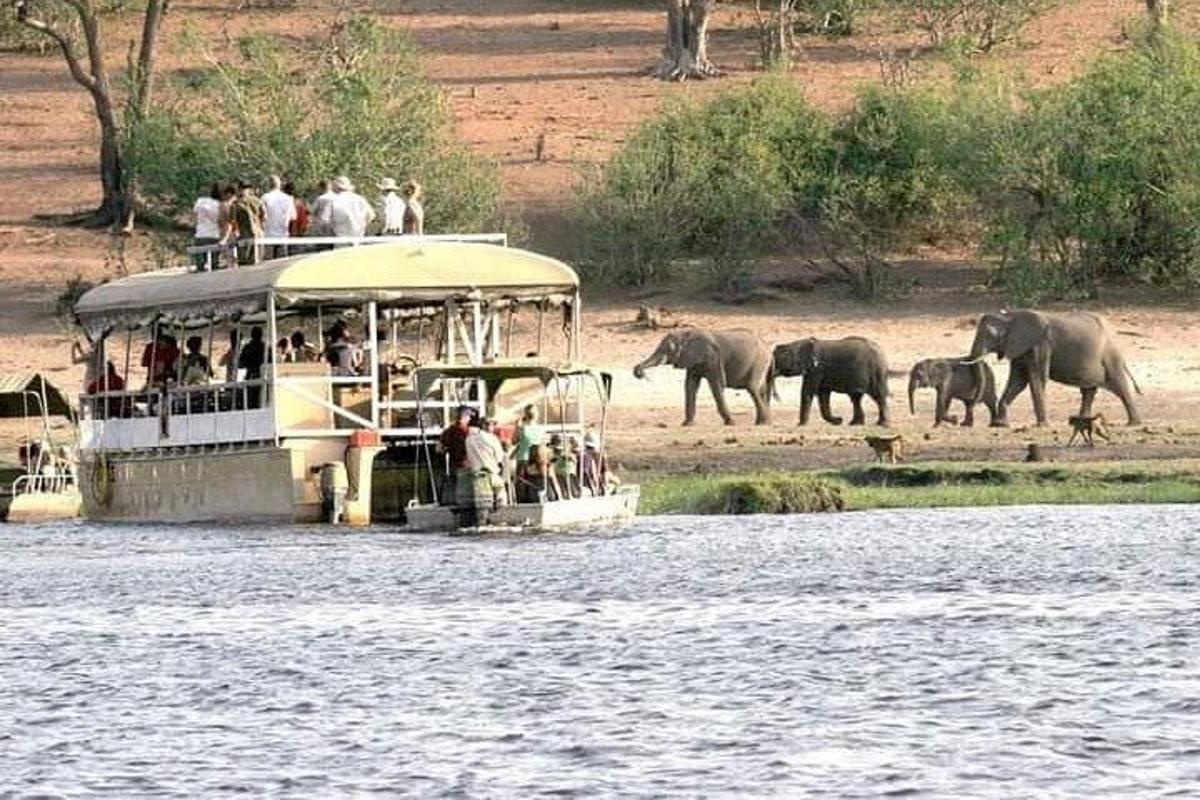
point(453, 444)
point(228, 227)
point(350, 213)
point(207, 215)
point(391, 209)
point(251, 359)
point(299, 224)
point(414, 212)
point(248, 213)
point(321, 223)
point(488, 461)
point(279, 211)
point(159, 357)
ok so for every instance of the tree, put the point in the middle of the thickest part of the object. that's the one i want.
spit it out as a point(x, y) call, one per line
point(685, 54)
point(89, 68)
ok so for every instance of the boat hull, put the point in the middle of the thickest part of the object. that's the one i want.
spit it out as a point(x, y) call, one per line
point(581, 512)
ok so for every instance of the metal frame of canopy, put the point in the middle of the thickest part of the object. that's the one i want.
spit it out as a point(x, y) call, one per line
point(469, 285)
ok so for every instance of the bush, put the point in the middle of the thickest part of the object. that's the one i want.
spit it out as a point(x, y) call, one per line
point(973, 25)
point(769, 494)
point(709, 182)
point(1102, 176)
point(354, 103)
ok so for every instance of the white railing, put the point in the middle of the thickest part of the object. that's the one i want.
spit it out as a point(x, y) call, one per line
point(218, 256)
point(52, 484)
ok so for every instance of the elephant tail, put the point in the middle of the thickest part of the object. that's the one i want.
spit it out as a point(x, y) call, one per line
point(1132, 379)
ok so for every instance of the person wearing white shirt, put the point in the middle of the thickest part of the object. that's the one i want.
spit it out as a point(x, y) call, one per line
point(207, 214)
point(486, 454)
point(280, 209)
point(321, 212)
point(391, 209)
point(350, 213)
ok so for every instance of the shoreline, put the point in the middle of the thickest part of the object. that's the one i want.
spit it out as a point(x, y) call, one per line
point(923, 485)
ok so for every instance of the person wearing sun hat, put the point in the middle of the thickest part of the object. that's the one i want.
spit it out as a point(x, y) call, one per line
point(350, 213)
point(391, 209)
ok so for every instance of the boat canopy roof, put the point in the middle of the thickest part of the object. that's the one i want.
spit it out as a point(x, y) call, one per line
point(16, 402)
point(397, 274)
point(499, 372)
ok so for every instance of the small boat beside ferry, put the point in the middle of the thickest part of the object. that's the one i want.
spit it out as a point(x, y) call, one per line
point(240, 419)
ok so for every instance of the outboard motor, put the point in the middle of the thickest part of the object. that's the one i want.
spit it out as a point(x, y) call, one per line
point(335, 485)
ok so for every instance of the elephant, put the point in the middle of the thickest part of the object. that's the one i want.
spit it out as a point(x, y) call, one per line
point(1073, 348)
point(853, 366)
point(735, 359)
point(971, 382)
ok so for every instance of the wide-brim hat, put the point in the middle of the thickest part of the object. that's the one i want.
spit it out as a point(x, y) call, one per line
point(342, 184)
point(388, 185)
point(592, 440)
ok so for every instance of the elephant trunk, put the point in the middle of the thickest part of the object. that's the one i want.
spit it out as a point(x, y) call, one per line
point(979, 347)
point(913, 384)
point(639, 369)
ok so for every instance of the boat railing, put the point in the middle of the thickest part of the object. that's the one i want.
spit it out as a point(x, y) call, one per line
point(56, 482)
point(204, 398)
point(218, 256)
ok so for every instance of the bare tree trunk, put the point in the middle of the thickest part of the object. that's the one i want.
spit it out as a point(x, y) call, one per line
point(1158, 11)
point(685, 54)
point(116, 204)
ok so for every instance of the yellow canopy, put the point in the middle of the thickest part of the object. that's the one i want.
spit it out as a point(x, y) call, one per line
point(394, 273)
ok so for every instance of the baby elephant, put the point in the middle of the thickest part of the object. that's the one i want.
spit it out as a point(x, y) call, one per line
point(853, 366)
point(954, 379)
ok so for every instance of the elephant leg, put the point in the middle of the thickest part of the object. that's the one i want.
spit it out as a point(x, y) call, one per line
point(942, 408)
point(1087, 396)
point(1017, 381)
point(1123, 389)
point(690, 386)
point(969, 414)
point(762, 405)
point(718, 393)
point(806, 398)
point(1037, 391)
point(858, 418)
point(880, 398)
point(826, 413)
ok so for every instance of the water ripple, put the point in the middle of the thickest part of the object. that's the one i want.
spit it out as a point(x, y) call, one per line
point(983, 653)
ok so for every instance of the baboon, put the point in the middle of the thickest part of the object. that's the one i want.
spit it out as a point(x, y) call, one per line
point(890, 448)
point(1087, 428)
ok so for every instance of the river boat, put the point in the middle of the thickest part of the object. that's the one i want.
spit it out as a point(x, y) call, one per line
point(45, 488)
point(562, 392)
point(280, 437)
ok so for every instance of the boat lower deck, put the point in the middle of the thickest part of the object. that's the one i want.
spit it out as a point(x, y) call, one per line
point(621, 506)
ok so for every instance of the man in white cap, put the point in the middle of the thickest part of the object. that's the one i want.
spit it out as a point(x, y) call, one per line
point(280, 209)
point(349, 213)
point(391, 209)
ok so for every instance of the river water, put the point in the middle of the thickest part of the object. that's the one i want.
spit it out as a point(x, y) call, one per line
point(997, 653)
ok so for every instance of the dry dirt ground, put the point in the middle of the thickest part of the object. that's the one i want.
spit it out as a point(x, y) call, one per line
point(575, 73)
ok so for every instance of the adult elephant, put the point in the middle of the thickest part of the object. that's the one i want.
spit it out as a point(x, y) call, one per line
point(734, 359)
point(1074, 348)
point(971, 382)
point(854, 366)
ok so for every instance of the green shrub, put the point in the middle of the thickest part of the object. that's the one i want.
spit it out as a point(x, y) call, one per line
point(703, 181)
point(769, 494)
point(1102, 176)
point(971, 26)
point(353, 103)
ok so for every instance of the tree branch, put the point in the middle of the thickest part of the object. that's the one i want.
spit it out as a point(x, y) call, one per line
point(62, 40)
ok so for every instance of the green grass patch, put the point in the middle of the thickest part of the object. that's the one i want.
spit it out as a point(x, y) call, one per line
point(925, 486)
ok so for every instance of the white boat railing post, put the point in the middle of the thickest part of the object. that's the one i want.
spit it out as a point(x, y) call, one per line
point(272, 358)
point(373, 338)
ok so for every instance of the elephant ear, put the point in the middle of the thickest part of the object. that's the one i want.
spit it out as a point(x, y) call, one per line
point(697, 350)
point(937, 372)
point(815, 358)
point(1025, 334)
